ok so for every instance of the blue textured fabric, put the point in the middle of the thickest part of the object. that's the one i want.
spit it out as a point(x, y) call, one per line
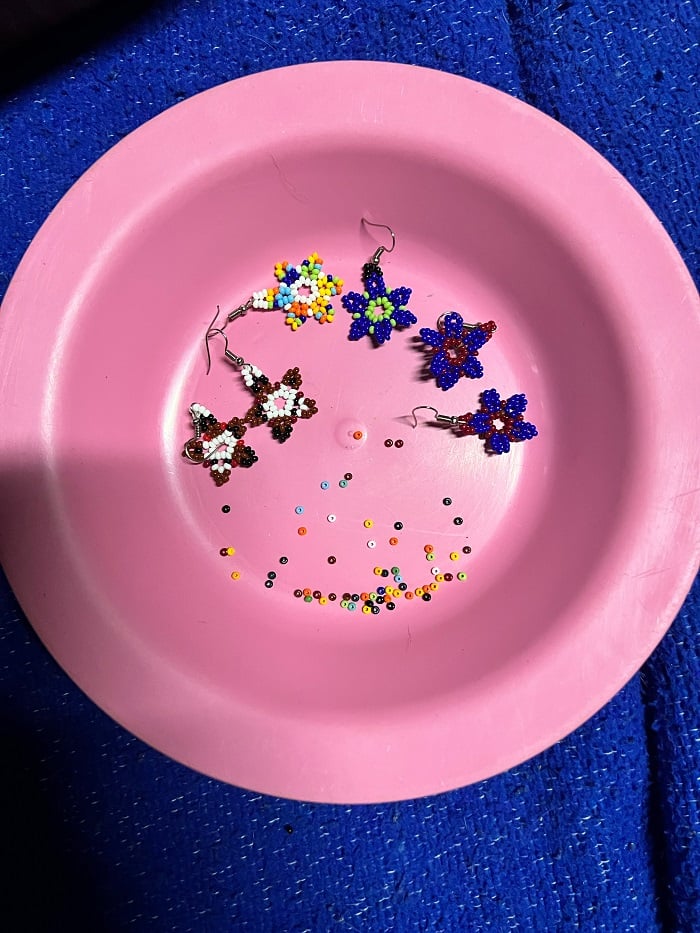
point(600, 833)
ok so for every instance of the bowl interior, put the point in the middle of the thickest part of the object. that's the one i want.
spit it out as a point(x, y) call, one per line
point(539, 520)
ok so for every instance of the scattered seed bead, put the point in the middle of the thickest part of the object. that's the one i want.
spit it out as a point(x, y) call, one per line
point(430, 556)
point(397, 594)
point(307, 591)
point(393, 541)
point(447, 501)
point(403, 586)
point(344, 603)
point(224, 552)
point(373, 596)
point(388, 442)
point(298, 594)
point(317, 594)
point(389, 591)
point(352, 606)
point(346, 596)
point(332, 597)
point(236, 575)
point(381, 590)
point(331, 559)
point(323, 600)
point(364, 597)
point(368, 523)
point(358, 435)
point(226, 509)
point(308, 599)
point(343, 483)
point(230, 551)
point(355, 597)
point(284, 560)
point(331, 518)
point(419, 591)
point(271, 575)
point(459, 520)
point(371, 543)
point(348, 476)
point(378, 571)
point(391, 606)
point(440, 578)
point(398, 526)
point(269, 584)
point(435, 571)
point(324, 485)
point(454, 555)
point(381, 600)
point(395, 570)
point(301, 531)
point(428, 549)
point(367, 610)
point(398, 443)
point(466, 549)
point(448, 578)
point(427, 597)
point(375, 610)
point(385, 573)
point(408, 595)
point(461, 575)
point(398, 578)
point(299, 510)
point(434, 586)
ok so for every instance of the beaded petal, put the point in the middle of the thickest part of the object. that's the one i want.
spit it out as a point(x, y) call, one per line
point(455, 348)
point(278, 404)
point(219, 448)
point(509, 412)
point(304, 292)
point(376, 312)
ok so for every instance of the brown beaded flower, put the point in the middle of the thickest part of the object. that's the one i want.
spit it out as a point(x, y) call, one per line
point(278, 404)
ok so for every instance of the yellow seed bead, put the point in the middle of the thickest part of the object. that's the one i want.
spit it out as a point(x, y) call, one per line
point(454, 555)
point(366, 609)
point(378, 571)
point(323, 600)
point(419, 591)
point(368, 523)
point(397, 594)
point(230, 551)
point(235, 575)
point(440, 577)
point(434, 586)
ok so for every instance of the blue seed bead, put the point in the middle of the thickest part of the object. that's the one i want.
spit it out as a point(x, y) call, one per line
point(480, 422)
point(516, 405)
point(352, 606)
point(324, 485)
point(499, 444)
point(381, 590)
point(491, 400)
point(343, 483)
point(299, 509)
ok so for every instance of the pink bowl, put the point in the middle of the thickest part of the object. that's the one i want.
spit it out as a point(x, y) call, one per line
point(584, 540)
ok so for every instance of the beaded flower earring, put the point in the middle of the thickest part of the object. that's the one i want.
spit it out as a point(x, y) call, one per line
point(377, 311)
point(304, 292)
point(455, 347)
point(218, 445)
point(499, 422)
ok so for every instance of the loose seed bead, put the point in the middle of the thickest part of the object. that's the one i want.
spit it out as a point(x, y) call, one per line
point(430, 556)
point(367, 610)
point(284, 560)
point(331, 518)
point(440, 578)
point(447, 501)
point(317, 594)
point(388, 442)
point(371, 543)
point(269, 584)
point(271, 575)
point(428, 549)
point(307, 591)
point(308, 599)
point(332, 597)
point(331, 559)
point(378, 571)
point(299, 510)
point(301, 531)
point(398, 443)
point(462, 575)
point(403, 586)
point(408, 595)
point(230, 551)
point(434, 586)
point(344, 603)
point(459, 521)
point(352, 606)
point(298, 594)
point(381, 590)
point(427, 597)
point(454, 555)
point(385, 573)
point(226, 508)
point(466, 549)
point(419, 591)
point(224, 552)
point(368, 523)
point(348, 476)
point(324, 485)
point(375, 610)
point(323, 600)
point(343, 483)
point(391, 606)
point(398, 526)
point(235, 575)
point(435, 571)
point(393, 541)
point(448, 578)
point(357, 435)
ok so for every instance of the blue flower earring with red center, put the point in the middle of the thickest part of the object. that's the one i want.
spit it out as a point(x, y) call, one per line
point(376, 311)
point(499, 422)
point(455, 347)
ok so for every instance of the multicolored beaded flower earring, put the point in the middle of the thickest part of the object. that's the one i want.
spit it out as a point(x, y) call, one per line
point(499, 422)
point(377, 311)
point(455, 347)
point(304, 292)
point(218, 445)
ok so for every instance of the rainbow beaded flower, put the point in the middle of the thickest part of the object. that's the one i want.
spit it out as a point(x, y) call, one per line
point(456, 347)
point(304, 292)
point(499, 421)
point(376, 312)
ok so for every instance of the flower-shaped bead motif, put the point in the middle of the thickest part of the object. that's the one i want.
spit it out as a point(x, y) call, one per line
point(304, 292)
point(455, 347)
point(278, 404)
point(219, 447)
point(499, 422)
point(376, 312)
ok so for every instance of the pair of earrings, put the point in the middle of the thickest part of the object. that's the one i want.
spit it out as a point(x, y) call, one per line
point(218, 445)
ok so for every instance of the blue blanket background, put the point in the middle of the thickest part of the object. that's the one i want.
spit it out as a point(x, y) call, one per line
point(600, 833)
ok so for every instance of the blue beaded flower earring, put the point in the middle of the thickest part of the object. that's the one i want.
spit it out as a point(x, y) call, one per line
point(377, 311)
point(455, 347)
point(498, 422)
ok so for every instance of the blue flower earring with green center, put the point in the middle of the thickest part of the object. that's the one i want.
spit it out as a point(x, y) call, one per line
point(376, 312)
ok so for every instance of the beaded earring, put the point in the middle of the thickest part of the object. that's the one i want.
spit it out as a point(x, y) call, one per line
point(303, 294)
point(218, 445)
point(455, 347)
point(377, 311)
point(499, 422)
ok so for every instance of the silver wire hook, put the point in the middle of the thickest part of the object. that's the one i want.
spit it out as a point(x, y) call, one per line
point(229, 354)
point(381, 249)
point(449, 419)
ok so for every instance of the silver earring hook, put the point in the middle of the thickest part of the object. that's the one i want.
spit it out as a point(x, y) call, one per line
point(229, 354)
point(450, 419)
point(381, 249)
point(465, 326)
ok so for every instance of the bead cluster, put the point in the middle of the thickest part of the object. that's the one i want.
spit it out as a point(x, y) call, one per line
point(219, 446)
point(376, 312)
point(304, 292)
point(455, 348)
point(498, 421)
